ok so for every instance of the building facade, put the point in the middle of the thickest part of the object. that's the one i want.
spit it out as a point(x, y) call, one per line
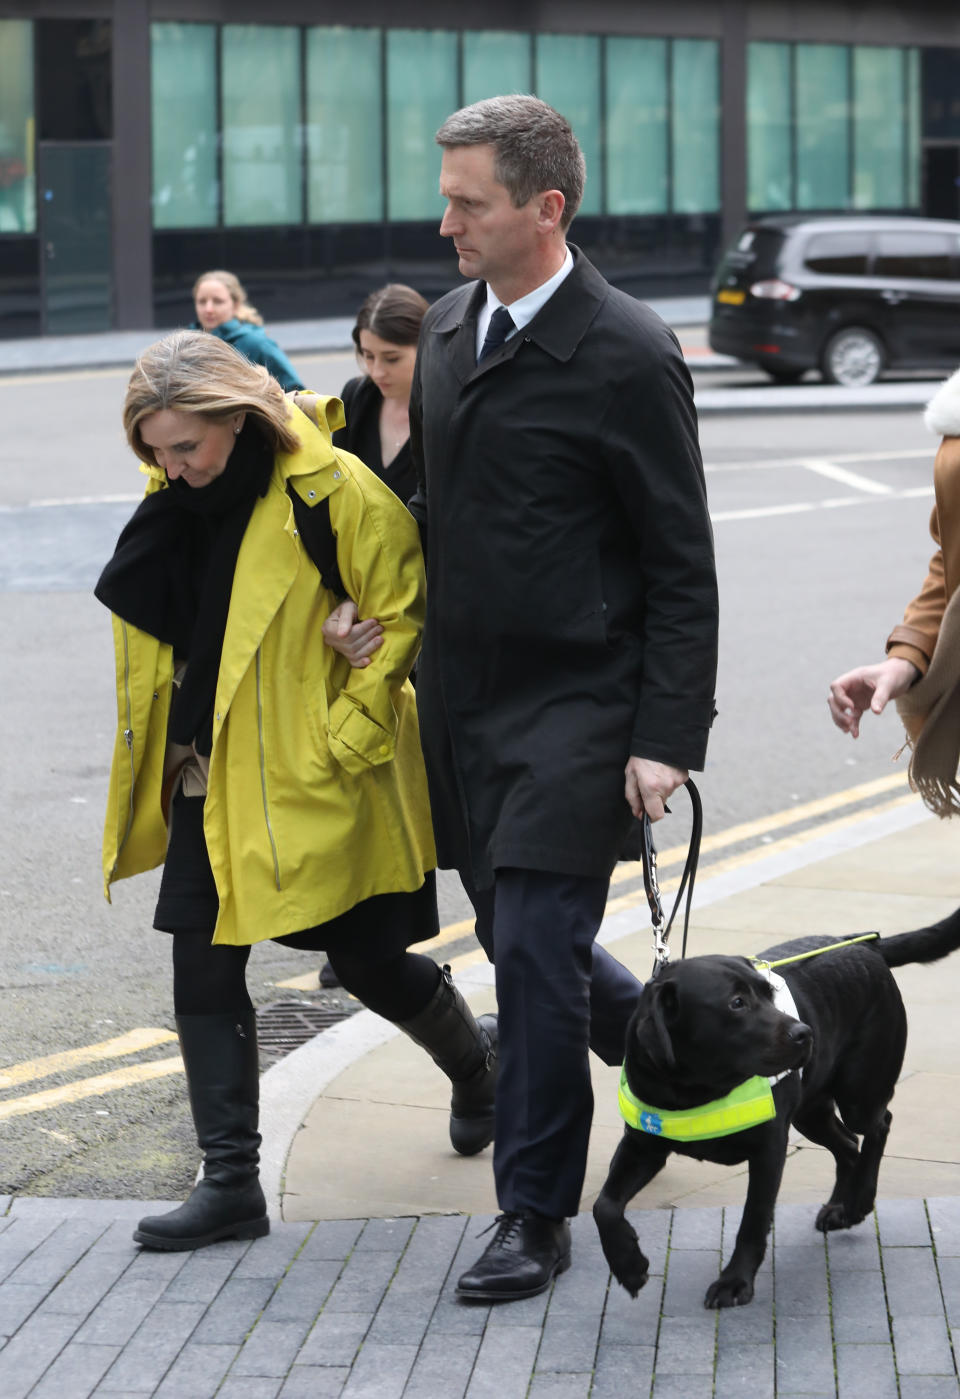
point(144, 141)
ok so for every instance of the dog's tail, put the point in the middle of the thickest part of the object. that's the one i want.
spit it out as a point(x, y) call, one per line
point(923, 945)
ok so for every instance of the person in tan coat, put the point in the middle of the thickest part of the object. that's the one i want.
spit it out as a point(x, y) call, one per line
point(911, 644)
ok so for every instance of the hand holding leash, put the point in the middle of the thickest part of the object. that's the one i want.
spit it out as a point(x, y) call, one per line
point(648, 851)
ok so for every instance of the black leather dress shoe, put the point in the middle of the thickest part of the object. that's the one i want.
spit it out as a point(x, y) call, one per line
point(526, 1253)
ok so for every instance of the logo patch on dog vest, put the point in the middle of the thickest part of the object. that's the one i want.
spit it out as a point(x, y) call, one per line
point(747, 1105)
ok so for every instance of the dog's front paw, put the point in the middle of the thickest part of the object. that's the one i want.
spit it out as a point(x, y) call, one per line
point(730, 1291)
point(625, 1256)
point(836, 1216)
point(632, 1270)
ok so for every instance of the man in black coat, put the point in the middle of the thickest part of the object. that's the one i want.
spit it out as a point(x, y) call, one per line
point(566, 681)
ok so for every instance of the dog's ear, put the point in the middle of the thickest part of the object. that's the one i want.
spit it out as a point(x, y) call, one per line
point(653, 1033)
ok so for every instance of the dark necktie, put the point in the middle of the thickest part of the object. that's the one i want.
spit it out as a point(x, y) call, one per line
point(501, 324)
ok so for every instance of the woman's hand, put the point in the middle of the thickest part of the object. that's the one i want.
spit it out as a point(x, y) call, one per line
point(868, 687)
point(355, 640)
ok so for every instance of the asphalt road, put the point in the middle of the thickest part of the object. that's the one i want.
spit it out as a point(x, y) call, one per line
point(821, 539)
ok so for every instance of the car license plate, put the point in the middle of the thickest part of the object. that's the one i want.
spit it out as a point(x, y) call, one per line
point(732, 298)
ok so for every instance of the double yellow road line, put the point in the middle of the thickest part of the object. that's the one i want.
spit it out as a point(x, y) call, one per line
point(760, 832)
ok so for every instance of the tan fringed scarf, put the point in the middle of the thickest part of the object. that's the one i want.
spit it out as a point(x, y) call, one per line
point(930, 711)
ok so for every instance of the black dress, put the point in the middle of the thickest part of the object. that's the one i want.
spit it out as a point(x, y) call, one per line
point(362, 401)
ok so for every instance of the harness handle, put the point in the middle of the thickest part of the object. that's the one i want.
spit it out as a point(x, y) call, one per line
point(648, 855)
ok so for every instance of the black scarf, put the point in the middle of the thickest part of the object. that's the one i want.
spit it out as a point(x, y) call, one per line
point(172, 571)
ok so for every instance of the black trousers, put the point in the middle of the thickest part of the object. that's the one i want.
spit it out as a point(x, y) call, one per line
point(559, 994)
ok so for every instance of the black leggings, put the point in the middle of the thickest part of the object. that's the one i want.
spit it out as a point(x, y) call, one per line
point(210, 979)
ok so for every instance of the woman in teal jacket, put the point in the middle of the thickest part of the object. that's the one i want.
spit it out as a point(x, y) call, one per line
point(223, 310)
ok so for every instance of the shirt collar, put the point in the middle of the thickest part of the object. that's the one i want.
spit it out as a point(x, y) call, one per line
point(523, 310)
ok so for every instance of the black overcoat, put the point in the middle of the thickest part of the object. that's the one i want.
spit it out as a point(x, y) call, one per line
point(571, 587)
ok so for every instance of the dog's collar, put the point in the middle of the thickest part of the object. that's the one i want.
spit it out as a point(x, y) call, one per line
point(747, 1105)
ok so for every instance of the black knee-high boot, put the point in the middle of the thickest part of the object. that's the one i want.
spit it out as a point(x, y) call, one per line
point(466, 1050)
point(223, 1079)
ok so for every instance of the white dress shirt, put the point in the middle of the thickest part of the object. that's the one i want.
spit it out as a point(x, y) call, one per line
point(523, 310)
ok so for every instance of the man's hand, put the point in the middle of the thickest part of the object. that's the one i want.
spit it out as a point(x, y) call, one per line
point(650, 785)
point(355, 640)
point(868, 687)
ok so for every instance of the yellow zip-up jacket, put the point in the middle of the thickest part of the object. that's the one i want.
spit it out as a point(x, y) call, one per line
point(316, 795)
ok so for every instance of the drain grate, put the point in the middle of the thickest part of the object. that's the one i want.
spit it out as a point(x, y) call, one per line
point(283, 1026)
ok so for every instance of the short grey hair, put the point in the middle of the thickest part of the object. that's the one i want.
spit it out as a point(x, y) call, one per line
point(534, 147)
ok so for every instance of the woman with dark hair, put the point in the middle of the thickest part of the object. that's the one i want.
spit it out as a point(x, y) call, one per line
point(376, 403)
point(282, 790)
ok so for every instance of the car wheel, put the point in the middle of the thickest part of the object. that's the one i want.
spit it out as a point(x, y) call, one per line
point(853, 357)
point(779, 375)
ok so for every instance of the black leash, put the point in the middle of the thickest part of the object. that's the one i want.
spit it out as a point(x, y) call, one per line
point(661, 928)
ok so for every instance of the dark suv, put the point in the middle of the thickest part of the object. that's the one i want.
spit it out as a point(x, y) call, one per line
point(848, 295)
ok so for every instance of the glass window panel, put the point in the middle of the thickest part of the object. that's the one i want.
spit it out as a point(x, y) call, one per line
point(18, 209)
point(837, 254)
point(262, 177)
point(568, 77)
point(769, 121)
point(823, 126)
point(494, 63)
point(183, 95)
point(918, 255)
point(344, 126)
point(913, 129)
point(422, 90)
point(879, 128)
point(695, 92)
point(637, 181)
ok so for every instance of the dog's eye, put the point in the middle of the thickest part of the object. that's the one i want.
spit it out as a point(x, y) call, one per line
point(738, 1003)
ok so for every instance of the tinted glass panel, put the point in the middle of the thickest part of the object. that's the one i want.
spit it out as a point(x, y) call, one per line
point(913, 128)
point(74, 82)
point(696, 126)
point(756, 254)
point(921, 255)
point(75, 229)
point(823, 126)
point(262, 176)
point(495, 62)
point(17, 188)
point(879, 128)
point(422, 89)
point(183, 70)
point(769, 118)
point(837, 254)
point(344, 125)
point(636, 153)
point(568, 77)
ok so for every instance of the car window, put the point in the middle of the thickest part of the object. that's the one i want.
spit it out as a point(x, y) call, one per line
point(837, 254)
point(920, 255)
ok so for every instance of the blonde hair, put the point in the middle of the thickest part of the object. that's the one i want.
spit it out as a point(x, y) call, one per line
point(190, 372)
point(242, 309)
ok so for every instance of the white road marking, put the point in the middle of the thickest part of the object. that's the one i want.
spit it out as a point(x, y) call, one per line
point(772, 463)
point(833, 472)
point(803, 507)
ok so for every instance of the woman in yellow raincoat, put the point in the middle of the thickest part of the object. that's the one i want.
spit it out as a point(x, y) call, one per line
point(282, 790)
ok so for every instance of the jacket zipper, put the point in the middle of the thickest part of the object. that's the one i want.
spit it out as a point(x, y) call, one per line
point(128, 740)
point(263, 770)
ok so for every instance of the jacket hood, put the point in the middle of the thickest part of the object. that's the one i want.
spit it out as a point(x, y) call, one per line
point(943, 410)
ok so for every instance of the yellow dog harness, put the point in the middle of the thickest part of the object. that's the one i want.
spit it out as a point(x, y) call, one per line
point(747, 1105)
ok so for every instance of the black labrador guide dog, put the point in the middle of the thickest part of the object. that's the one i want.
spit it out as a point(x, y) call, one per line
point(704, 1026)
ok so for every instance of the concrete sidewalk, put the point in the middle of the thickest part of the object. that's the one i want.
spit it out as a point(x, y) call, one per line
point(111, 349)
point(352, 1293)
